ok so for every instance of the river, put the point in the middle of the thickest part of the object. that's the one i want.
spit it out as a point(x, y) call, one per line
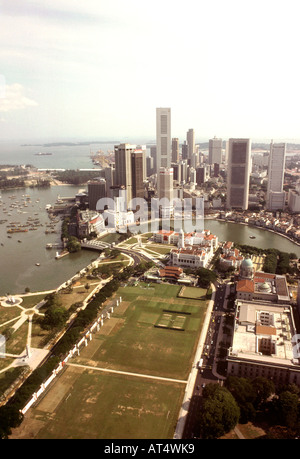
point(18, 268)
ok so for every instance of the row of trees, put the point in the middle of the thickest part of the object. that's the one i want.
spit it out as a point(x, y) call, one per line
point(276, 261)
point(242, 400)
point(76, 177)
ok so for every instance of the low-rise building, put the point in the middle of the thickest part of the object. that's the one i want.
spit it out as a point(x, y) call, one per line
point(190, 257)
point(263, 343)
point(89, 222)
point(263, 287)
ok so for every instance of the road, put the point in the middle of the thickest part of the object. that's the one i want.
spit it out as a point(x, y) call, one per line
point(208, 372)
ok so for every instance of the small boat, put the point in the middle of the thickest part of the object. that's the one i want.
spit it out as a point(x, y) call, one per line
point(38, 264)
point(252, 237)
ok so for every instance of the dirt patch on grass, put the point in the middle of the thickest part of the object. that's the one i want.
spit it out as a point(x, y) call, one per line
point(111, 325)
point(122, 307)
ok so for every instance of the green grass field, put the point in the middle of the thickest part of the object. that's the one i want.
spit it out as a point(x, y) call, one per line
point(93, 403)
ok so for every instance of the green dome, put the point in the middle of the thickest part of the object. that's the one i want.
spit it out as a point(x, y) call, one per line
point(247, 263)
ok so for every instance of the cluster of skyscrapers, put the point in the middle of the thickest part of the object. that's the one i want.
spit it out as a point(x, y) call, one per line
point(170, 166)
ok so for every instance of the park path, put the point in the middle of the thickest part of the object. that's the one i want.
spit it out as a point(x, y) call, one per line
point(139, 375)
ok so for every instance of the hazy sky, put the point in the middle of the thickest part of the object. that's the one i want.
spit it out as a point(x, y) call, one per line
point(99, 68)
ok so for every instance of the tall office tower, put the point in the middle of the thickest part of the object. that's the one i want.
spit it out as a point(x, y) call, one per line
point(149, 166)
point(166, 191)
point(96, 191)
point(143, 149)
point(123, 168)
point(238, 173)
point(163, 138)
point(183, 171)
point(175, 150)
point(184, 150)
point(202, 174)
point(109, 177)
point(275, 193)
point(190, 138)
point(137, 173)
point(215, 151)
point(176, 172)
point(153, 155)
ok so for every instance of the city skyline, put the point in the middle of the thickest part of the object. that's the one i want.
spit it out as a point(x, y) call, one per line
point(90, 71)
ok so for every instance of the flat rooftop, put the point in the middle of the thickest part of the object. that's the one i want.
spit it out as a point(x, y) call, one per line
point(263, 333)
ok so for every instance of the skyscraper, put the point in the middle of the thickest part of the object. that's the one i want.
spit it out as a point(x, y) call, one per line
point(275, 193)
point(165, 191)
point(96, 191)
point(175, 150)
point(215, 151)
point(163, 138)
point(137, 173)
point(238, 173)
point(190, 138)
point(123, 168)
point(184, 151)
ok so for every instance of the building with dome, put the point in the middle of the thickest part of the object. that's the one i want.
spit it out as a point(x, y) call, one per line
point(246, 268)
point(260, 286)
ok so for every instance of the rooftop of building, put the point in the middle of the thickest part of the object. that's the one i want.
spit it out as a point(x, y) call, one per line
point(263, 333)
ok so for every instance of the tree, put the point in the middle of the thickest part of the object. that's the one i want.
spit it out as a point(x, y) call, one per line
point(286, 409)
point(244, 393)
point(55, 316)
point(73, 244)
point(263, 388)
point(205, 277)
point(219, 412)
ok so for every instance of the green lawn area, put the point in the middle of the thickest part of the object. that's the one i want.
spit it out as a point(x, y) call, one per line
point(91, 403)
point(136, 345)
point(193, 293)
point(111, 406)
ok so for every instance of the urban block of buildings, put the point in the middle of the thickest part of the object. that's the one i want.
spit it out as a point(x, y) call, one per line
point(264, 328)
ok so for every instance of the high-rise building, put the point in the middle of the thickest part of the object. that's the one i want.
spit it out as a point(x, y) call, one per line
point(163, 138)
point(175, 150)
point(275, 193)
point(166, 191)
point(238, 173)
point(123, 168)
point(184, 150)
point(149, 166)
point(215, 151)
point(96, 191)
point(109, 177)
point(190, 138)
point(153, 154)
point(137, 173)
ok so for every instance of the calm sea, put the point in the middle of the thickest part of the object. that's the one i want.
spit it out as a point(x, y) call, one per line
point(61, 157)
